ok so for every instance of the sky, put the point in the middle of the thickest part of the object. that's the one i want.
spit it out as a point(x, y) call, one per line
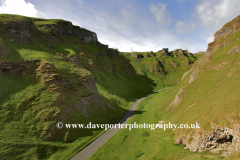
point(137, 25)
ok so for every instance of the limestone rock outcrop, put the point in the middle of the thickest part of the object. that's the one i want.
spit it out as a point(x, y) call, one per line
point(151, 53)
point(136, 55)
point(165, 51)
point(146, 55)
point(222, 138)
point(19, 30)
point(190, 55)
point(23, 31)
point(18, 67)
point(113, 51)
point(228, 29)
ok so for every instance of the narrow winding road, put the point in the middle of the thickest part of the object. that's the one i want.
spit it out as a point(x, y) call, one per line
point(92, 147)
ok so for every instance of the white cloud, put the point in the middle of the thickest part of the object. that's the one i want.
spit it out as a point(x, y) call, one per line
point(215, 13)
point(153, 43)
point(20, 7)
point(183, 27)
point(209, 39)
point(160, 12)
point(129, 30)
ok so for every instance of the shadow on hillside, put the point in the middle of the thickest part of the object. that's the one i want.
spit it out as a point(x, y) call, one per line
point(14, 55)
point(128, 115)
point(10, 85)
point(124, 86)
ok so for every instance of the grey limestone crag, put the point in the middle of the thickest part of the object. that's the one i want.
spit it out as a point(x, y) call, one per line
point(23, 31)
point(223, 138)
point(113, 51)
point(165, 51)
point(146, 55)
point(152, 54)
point(19, 30)
point(136, 55)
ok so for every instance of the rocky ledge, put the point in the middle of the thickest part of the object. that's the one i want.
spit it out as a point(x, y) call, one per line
point(23, 31)
point(222, 139)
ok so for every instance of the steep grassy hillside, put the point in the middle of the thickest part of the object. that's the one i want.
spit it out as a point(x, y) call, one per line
point(52, 71)
point(207, 94)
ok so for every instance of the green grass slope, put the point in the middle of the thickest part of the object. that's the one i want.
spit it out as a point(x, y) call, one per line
point(207, 94)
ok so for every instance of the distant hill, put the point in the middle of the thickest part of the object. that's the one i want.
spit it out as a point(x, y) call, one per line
point(164, 67)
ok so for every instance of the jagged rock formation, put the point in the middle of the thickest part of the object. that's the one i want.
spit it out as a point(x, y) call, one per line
point(188, 62)
point(193, 75)
point(177, 100)
point(157, 69)
point(46, 75)
point(61, 86)
point(113, 51)
point(228, 29)
point(178, 51)
point(165, 51)
point(151, 53)
point(73, 59)
point(19, 30)
point(146, 55)
point(162, 62)
point(67, 29)
point(92, 100)
point(102, 45)
point(22, 32)
point(190, 55)
point(18, 67)
point(136, 55)
point(215, 141)
point(234, 50)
